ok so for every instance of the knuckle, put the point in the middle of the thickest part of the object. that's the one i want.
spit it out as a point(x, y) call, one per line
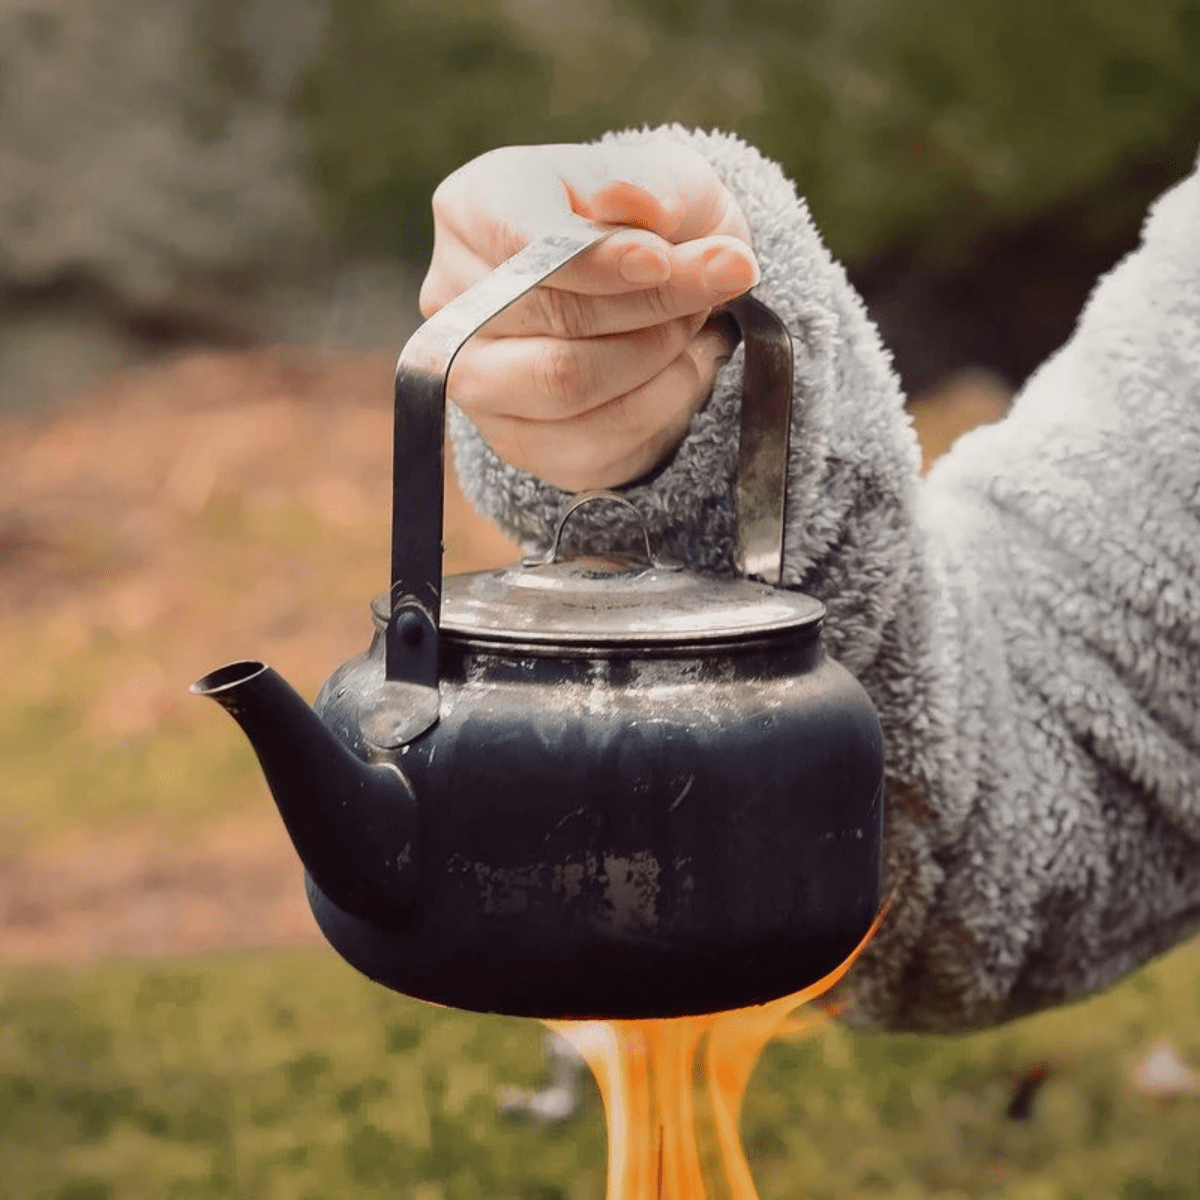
point(433, 295)
point(561, 374)
point(564, 314)
point(659, 305)
point(686, 385)
point(501, 242)
point(676, 336)
point(443, 200)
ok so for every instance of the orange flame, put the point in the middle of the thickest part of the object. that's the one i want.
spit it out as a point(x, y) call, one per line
point(673, 1091)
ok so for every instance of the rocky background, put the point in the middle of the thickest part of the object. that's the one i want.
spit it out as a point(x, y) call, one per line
point(227, 173)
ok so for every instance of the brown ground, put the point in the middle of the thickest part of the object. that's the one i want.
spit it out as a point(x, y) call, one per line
point(167, 516)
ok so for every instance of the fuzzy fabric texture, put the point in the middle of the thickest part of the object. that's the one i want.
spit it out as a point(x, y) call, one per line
point(1026, 620)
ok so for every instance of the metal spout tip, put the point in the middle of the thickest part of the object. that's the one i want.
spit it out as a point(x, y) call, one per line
point(353, 823)
point(224, 678)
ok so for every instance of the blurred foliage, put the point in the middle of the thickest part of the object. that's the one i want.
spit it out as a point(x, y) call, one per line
point(405, 91)
point(285, 1076)
point(901, 120)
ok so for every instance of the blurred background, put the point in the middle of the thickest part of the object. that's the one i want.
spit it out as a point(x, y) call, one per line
point(213, 218)
point(229, 172)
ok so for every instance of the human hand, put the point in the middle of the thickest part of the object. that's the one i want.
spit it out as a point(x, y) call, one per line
point(591, 379)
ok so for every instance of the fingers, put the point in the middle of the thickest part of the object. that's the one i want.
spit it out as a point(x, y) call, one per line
point(711, 349)
point(552, 378)
point(628, 259)
point(518, 191)
point(703, 275)
point(664, 187)
point(622, 438)
point(662, 196)
point(605, 446)
point(591, 378)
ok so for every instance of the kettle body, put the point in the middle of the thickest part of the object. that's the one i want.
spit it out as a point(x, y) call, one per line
point(627, 834)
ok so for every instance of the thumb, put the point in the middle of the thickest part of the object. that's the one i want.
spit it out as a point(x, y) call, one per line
point(661, 186)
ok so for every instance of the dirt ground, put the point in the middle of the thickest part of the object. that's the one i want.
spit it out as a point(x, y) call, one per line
point(131, 896)
point(111, 533)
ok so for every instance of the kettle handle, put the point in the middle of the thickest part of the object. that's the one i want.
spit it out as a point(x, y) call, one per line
point(418, 471)
point(763, 440)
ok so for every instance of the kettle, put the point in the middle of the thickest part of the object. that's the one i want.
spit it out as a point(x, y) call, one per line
point(589, 785)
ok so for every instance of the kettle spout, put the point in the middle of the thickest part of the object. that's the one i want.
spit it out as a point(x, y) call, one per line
point(353, 824)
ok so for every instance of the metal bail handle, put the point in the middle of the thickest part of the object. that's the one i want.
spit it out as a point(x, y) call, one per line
point(763, 440)
point(418, 470)
point(417, 454)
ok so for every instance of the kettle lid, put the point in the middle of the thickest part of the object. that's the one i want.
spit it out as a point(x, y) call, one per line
point(607, 601)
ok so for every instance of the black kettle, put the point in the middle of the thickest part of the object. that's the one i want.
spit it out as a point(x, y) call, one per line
point(591, 785)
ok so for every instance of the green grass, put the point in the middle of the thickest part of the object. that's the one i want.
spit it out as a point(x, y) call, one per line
point(100, 783)
point(276, 1075)
point(63, 776)
point(284, 1075)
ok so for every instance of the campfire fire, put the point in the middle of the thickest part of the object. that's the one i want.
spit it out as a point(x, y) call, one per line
point(673, 1090)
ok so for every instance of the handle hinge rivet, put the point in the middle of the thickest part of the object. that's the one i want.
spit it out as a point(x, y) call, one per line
point(410, 629)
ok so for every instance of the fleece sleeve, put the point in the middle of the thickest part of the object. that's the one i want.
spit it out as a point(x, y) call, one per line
point(1065, 545)
point(1024, 621)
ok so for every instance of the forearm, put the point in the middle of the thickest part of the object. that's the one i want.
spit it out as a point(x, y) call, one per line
point(1068, 542)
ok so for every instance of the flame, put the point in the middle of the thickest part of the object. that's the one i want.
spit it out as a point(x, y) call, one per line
point(673, 1091)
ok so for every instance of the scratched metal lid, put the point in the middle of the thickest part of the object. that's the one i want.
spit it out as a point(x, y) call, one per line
point(605, 601)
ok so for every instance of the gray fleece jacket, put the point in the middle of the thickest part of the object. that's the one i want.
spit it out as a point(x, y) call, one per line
point(1026, 619)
